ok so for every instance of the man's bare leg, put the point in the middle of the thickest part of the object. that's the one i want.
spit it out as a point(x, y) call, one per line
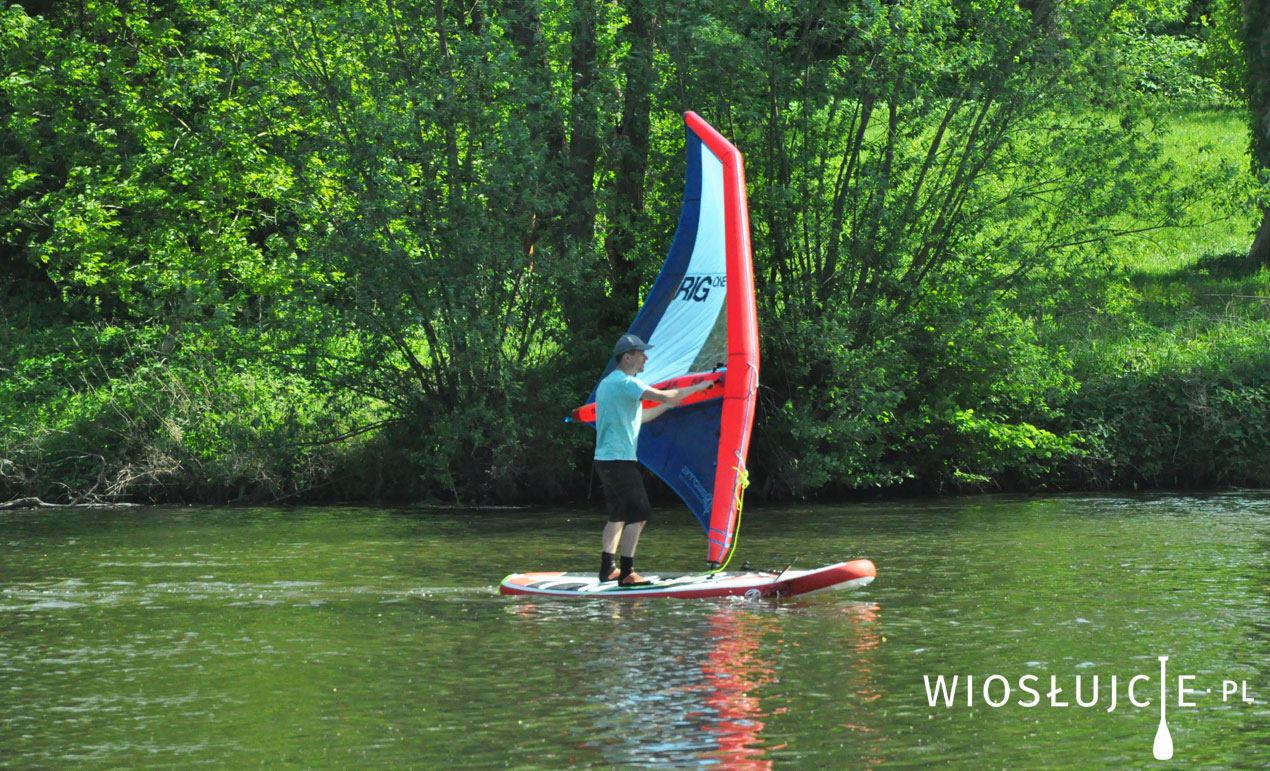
point(612, 533)
point(630, 539)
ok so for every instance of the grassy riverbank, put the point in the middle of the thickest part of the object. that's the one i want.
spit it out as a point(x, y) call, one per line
point(1175, 378)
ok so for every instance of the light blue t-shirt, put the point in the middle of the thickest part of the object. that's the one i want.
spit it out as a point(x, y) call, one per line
point(618, 414)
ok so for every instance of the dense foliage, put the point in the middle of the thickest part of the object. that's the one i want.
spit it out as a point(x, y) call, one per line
point(378, 249)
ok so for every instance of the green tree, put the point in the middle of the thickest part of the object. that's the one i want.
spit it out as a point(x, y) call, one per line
point(1223, 59)
point(430, 218)
point(142, 208)
point(922, 175)
point(443, 162)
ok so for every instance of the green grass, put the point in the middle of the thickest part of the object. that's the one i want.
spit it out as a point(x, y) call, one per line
point(1210, 148)
point(1174, 321)
point(1188, 282)
point(1173, 352)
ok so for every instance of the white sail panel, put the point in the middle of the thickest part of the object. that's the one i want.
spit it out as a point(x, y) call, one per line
point(699, 300)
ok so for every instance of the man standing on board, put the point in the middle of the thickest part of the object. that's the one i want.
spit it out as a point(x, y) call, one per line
point(619, 412)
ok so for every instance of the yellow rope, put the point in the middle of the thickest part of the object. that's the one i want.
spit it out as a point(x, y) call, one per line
point(736, 531)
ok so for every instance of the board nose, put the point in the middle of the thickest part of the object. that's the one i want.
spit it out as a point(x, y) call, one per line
point(863, 567)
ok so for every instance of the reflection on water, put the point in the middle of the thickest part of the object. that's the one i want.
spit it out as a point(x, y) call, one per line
point(695, 692)
point(731, 674)
point(862, 682)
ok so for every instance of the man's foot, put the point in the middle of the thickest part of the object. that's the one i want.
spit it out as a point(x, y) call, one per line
point(633, 579)
point(607, 571)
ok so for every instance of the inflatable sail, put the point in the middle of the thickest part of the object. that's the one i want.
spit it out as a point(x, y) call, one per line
point(700, 318)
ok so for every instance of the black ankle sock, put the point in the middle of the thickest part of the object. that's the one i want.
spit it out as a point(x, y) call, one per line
point(606, 564)
point(628, 567)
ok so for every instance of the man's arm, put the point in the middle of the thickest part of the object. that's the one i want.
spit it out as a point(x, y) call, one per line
point(670, 397)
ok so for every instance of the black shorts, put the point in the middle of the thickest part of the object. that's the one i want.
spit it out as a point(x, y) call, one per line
point(624, 492)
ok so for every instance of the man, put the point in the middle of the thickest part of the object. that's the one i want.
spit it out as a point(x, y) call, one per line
point(619, 412)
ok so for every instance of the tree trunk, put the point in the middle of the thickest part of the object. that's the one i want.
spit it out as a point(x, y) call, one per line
point(632, 141)
point(545, 127)
point(1255, 32)
point(583, 142)
point(581, 157)
point(1260, 252)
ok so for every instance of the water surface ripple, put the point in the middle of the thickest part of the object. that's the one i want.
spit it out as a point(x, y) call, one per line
point(376, 638)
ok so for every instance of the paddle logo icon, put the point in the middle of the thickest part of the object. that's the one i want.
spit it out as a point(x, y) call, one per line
point(1163, 749)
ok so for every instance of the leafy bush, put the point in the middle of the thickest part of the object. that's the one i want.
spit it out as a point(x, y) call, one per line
point(93, 413)
point(1175, 389)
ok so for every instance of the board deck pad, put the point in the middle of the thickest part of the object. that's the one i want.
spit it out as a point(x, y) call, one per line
point(750, 583)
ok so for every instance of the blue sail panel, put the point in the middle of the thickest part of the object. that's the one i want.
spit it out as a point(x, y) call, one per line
point(679, 447)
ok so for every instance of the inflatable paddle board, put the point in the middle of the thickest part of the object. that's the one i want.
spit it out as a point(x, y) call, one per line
point(750, 583)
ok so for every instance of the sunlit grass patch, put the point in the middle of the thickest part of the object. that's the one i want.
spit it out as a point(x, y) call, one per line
point(1172, 350)
point(1201, 141)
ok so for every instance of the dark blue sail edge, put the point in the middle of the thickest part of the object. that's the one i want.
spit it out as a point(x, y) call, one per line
point(676, 264)
point(681, 446)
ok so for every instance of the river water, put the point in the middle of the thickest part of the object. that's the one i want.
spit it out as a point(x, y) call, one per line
point(308, 638)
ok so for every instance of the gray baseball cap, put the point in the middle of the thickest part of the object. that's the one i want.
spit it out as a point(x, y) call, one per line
point(629, 343)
